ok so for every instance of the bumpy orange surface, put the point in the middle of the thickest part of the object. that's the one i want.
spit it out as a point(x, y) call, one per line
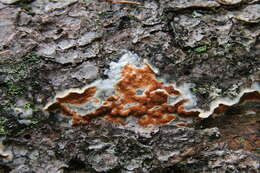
point(137, 94)
point(149, 105)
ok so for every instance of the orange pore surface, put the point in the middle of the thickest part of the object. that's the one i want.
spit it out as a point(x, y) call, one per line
point(149, 107)
point(76, 98)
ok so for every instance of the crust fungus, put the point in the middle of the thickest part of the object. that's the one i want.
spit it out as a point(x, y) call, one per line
point(133, 90)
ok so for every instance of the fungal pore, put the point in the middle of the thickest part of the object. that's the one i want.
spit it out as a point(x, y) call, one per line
point(132, 89)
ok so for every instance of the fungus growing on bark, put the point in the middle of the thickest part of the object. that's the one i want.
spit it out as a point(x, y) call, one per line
point(221, 105)
point(132, 89)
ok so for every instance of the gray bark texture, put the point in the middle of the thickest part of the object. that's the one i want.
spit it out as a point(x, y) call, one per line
point(48, 46)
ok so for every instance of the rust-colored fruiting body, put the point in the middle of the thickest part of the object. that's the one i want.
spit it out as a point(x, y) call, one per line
point(76, 98)
point(149, 107)
point(138, 93)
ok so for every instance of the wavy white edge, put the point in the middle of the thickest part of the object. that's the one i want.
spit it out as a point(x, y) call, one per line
point(113, 73)
point(227, 101)
point(114, 76)
point(65, 93)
